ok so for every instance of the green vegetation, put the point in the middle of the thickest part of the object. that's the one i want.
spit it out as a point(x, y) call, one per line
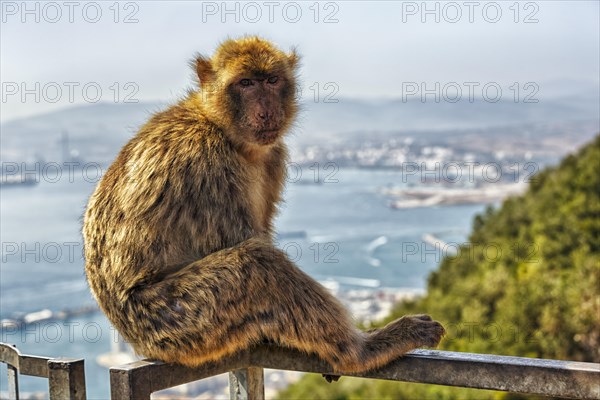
point(527, 284)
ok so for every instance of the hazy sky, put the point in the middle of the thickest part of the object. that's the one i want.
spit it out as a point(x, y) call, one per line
point(367, 48)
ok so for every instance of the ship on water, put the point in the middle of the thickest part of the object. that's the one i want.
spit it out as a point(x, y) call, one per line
point(7, 181)
point(25, 174)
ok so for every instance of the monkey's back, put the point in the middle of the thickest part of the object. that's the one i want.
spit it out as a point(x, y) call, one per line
point(173, 195)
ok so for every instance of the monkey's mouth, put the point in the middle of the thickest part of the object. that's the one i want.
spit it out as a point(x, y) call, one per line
point(267, 136)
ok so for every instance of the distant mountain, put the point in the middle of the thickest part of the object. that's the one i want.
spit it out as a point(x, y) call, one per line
point(97, 131)
point(395, 115)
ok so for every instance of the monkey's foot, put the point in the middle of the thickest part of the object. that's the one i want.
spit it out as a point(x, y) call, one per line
point(331, 378)
point(421, 330)
point(429, 332)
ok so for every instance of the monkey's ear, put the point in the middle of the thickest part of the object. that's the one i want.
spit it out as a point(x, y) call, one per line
point(203, 69)
point(293, 58)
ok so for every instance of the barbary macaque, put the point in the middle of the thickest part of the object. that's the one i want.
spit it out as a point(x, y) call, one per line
point(179, 232)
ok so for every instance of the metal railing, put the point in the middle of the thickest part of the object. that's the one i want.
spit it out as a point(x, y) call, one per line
point(534, 376)
point(137, 380)
point(66, 376)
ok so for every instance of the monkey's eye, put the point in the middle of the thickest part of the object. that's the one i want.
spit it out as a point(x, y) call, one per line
point(272, 79)
point(246, 82)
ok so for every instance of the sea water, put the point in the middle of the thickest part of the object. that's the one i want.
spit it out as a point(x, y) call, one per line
point(336, 225)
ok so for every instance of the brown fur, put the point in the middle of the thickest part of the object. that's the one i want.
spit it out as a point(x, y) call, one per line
point(178, 234)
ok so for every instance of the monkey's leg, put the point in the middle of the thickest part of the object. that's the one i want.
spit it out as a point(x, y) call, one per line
point(238, 297)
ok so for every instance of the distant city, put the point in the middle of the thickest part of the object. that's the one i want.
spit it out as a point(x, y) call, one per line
point(471, 165)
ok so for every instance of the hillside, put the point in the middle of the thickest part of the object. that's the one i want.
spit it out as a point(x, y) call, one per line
point(526, 284)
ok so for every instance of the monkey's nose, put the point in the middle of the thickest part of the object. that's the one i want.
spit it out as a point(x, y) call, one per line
point(264, 116)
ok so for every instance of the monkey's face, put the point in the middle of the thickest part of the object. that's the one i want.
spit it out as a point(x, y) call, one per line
point(248, 88)
point(260, 107)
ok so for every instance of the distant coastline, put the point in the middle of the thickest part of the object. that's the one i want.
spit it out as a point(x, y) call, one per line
point(438, 196)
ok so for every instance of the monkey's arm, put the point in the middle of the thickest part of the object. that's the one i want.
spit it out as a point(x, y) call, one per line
point(167, 200)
